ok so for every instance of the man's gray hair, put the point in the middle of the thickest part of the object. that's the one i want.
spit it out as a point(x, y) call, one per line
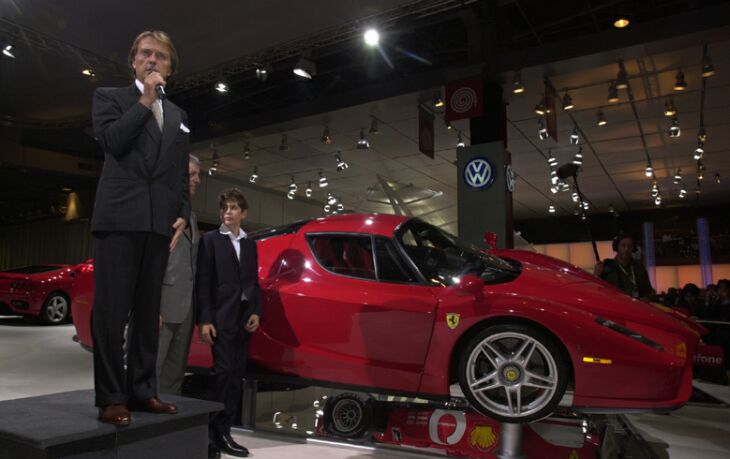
point(194, 159)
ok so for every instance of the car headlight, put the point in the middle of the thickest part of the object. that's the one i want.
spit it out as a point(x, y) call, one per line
point(628, 332)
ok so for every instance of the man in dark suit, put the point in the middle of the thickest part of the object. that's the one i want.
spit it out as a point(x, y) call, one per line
point(177, 311)
point(141, 209)
point(229, 303)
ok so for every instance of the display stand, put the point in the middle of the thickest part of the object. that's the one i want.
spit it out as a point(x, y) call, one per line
point(510, 441)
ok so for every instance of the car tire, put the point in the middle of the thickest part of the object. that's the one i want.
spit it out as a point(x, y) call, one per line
point(56, 309)
point(348, 416)
point(513, 372)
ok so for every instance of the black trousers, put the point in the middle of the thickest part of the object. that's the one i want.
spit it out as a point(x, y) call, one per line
point(230, 352)
point(128, 272)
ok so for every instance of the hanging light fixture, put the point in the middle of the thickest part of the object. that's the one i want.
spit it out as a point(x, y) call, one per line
point(707, 68)
point(702, 135)
point(448, 125)
point(564, 186)
point(554, 177)
point(8, 51)
point(254, 176)
point(622, 80)
point(221, 87)
point(554, 189)
point(578, 158)
point(612, 93)
point(340, 206)
point(683, 191)
point(216, 162)
point(331, 199)
point(677, 177)
point(567, 102)
point(699, 151)
point(585, 205)
point(542, 132)
point(717, 178)
point(654, 189)
point(326, 138)
point(601, 118)
point(552, 161)
point(262, 73)
point(674, 130)
point(517, 87)
point(574, 137)
point(540, 107)
point(438, 103)
point(293, 185)
point(575, 197)
point(649, 171)
point(551, 208)
point(284, 145)
point(658, 200)
point(669, 109)
point(291, 194)
point(700, 171)
point(362, 142)
point(341, 164)
point(679, 83)
point(322, 180)
point(459, 141)
point(611, 209)
point(327, 208)
point(308, 190)
point(305, 68)
point(374, 126)
point(246, 151)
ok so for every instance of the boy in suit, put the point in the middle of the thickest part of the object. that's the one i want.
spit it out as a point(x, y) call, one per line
point(229, 304)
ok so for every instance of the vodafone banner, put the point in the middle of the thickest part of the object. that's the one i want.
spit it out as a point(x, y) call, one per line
point(464, 99)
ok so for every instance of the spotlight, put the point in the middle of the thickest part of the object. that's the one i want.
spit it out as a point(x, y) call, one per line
point(371, 37)
point(574, 137)
point(340, 207)
point(612, 93)
point(621, 22)
point(717, 178)
point(574, 197)
point(677, 177)
point(448, 125)
point(564, 186)
point(322, 180)
point(305, 68)
point(517, 87)
point(700, 171)
point(585, 205)
point(554, 189)
point(654, 189)
point(284, 145)
point(460, 141)
point(698, 190)
point(246, 151)
point(89, 72)
point(679, 83)
point(551, 208)
point(438, 103)
point(649, 171)
point(221, 87)
point(658, 200)
point(567, 102)
point(293, 186)
point(554, 176)
point(216, 162)
point(341, 165)
point(374, 126)
point(622, 80)
point(707, 68)
point(326, 138)
point(262, 73)
point(254, 176)
point(669, 108)
point(331, 200)
point(8, 51)
point(540, 107)
point(291, 194)
point(683, 191)
point(308, 190)
point(578, 158)
point(327, 208)
point(699, 152)
point(362, 142)
point(601, 118)
point(674, 130)
point(702, 135)
point(611, 209)
point(542, 132)
point(552, 162)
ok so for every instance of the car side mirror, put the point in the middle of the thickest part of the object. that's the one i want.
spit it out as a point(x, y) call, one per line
point(472, 284)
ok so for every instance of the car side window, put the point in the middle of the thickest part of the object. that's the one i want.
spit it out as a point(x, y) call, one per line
point(391, 267)
point(344, 254)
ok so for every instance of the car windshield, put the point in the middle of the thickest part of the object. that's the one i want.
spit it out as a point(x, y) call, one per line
point(36, 269)
point(443, 258)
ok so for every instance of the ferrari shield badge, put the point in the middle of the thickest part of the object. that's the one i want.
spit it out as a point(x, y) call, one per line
point(452, 320)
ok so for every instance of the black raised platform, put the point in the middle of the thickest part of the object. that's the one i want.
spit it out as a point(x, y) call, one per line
point(64, 425)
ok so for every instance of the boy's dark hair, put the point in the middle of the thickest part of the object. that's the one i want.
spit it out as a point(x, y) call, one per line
point(232, 194)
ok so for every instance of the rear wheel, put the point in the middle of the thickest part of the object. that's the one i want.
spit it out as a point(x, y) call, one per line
point(513, 373)
point(56, 309)
point(348, 416)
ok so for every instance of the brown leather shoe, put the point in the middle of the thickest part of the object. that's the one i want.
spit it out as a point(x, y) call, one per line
point(153, 405)
point(117, 415)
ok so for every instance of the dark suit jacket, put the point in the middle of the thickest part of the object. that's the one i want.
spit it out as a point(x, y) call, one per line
point(221, 278)
point(144, 181)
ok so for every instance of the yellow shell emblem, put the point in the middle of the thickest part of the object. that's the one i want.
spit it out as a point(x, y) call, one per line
point(452, 320)
point(482, 437)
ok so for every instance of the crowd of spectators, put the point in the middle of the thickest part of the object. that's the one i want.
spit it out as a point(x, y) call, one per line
point(710, 303)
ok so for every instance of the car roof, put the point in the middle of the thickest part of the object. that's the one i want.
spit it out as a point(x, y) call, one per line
point(378, 224)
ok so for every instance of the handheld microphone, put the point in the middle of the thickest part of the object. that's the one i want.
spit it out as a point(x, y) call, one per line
point(160, 92)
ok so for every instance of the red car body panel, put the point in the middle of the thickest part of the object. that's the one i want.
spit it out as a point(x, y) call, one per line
point(24, 294)
point(395, 337)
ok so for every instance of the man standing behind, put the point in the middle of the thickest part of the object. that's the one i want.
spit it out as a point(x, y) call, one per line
point(177, 306)
point(623, 271)
point(229, 299)
point(141, 209)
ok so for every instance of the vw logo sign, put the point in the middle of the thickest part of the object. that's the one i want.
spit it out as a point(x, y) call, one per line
point(510, 177)
point(479, 173)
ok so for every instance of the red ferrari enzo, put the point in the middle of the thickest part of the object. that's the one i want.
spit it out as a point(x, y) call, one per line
point(391, 304)
point(39, 290)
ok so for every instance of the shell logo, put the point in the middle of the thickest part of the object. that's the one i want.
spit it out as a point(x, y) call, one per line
point(482, 437)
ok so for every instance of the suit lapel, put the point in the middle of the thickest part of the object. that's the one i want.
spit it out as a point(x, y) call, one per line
point(231, 251)
point(170, 128)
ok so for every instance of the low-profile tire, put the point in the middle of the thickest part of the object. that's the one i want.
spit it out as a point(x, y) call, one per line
point(513, 373)
point(56, 309)
point(348, 416)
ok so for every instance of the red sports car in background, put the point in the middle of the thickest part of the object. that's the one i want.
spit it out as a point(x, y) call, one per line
point(391, 304)
point(39, 290)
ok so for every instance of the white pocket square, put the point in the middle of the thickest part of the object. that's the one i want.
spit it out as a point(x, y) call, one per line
point(184, 128)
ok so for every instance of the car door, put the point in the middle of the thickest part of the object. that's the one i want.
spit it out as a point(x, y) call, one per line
point(357, 314)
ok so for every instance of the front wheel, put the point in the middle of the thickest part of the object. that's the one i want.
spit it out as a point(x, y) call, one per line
point(348, 416)
point(513, 373)
point(56, 309)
